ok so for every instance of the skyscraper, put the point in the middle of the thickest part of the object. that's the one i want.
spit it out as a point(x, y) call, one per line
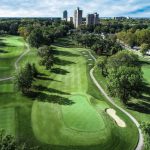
point(77, 17)
point(65, 15)
point(96, 18)
point(92, 19)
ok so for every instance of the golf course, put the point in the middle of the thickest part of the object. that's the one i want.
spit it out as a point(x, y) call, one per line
point(68, 111)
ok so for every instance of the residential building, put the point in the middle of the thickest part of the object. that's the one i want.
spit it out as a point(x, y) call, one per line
point(71, 19)
point(65, 15)
point(77, 17)
point(92, 19)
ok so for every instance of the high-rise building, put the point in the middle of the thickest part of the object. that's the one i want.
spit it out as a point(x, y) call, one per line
point(92, 19)
point(71, 19)
point(65, 15)
point(77, 17)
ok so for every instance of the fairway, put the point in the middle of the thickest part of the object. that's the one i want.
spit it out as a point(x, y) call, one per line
point(80, 119)
point(70, 112)
point(11, 47)
point(7, 120)
point(77, 119)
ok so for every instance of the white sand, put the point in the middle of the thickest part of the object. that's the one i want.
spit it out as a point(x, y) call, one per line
point(111, 112)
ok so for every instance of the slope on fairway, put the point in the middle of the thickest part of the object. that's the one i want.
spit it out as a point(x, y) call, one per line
point(10, 49)
point(52, 127)
point(81, 116)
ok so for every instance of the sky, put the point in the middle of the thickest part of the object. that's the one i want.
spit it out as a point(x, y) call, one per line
point(54, 8)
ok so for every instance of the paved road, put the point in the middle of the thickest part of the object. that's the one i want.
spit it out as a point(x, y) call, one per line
point(16, 63)
point(140, 144)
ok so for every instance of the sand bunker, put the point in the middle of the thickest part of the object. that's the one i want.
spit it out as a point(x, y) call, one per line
point(111, 112)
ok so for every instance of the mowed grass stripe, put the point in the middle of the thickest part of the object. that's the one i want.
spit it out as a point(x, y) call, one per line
point(7, 120)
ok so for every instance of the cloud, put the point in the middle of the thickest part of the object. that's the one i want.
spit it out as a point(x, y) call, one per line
point(54, 8)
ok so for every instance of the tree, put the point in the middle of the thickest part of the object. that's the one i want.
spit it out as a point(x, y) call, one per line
point(45, 52)
point(124, 75)
point(34, 71)
point(101, 63)
point(24, 78)
point(123, 58)
point(8, 142)
point(23, 32)
point(35, 38)
point(48, 62)
point(146, 129)
point(125, 82)
point(144, 48)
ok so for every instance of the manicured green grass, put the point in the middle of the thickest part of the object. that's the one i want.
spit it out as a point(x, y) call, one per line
point(7, 120)
point(146, 73)
point(79, 121)
point(81, 116)
point(71, 77)
point(10, 49)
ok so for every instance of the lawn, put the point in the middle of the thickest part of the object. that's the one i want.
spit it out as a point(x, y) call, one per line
point(69, 111)
point(10, 49)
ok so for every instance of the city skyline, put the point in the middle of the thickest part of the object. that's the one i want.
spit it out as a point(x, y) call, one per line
point(51, 8)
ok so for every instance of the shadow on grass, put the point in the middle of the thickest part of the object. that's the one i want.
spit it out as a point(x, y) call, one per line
point(146, 88)
point(43, 97)
point(64, 53)
point(64, 42)
point(51, 90)
point(3, 51)
point(42, 76)
point(59, 71)
point(59, 61)
point(46, 79)
point(142, 62)
point(142, 107)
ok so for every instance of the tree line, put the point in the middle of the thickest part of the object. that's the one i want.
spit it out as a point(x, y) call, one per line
point(123, 74)
point(135, 38)
point(112, 26)
point(99, 44)
point(41, 37)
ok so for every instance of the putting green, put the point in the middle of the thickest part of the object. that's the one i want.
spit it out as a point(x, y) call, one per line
point(82, 116)
point(77, 124)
